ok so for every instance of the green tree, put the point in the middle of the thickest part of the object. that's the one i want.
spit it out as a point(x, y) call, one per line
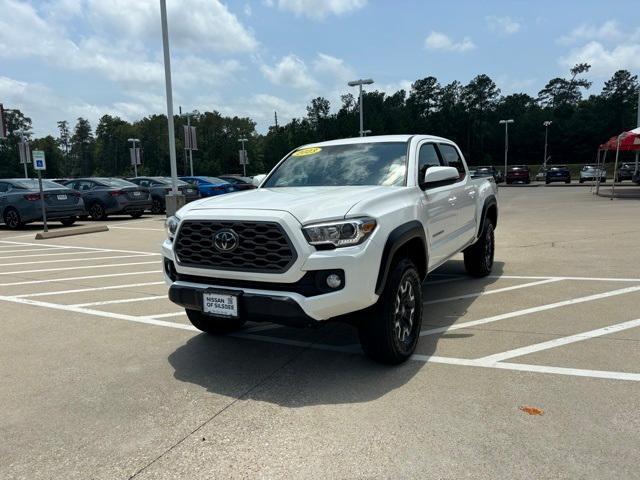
point(82, 144)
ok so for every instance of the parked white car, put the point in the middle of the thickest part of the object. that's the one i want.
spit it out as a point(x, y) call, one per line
point(343, 229)
point(590, 173)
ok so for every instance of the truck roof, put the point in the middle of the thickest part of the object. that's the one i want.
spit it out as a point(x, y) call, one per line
point(376, 139)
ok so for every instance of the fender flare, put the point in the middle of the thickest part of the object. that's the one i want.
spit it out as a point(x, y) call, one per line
point(396, 239)
point(489, 202)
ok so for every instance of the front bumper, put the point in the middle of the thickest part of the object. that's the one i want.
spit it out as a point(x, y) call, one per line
point(360, 265)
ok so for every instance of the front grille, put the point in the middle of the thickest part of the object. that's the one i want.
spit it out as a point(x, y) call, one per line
point(263, 246)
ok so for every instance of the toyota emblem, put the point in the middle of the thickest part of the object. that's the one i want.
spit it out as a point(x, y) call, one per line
point(226, 240)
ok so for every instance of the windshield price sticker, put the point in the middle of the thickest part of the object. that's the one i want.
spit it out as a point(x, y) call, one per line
point(303, 152)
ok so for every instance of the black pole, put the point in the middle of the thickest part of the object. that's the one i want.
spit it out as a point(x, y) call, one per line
point(44, 210)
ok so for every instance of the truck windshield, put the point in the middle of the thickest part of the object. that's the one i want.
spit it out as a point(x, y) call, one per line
point(380, 163)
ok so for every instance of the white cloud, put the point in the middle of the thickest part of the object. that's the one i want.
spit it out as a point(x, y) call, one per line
point(333, 67)
point(290, 71)
point(318, 9)
point(608, 31)
point(440, 41)
point(505, 25)
point(605, 61)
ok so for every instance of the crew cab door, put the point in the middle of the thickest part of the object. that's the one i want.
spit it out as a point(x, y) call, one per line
point(463, 199)
point(436, 211)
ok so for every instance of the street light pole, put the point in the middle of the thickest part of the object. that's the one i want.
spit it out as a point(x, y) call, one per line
point(244, 157)
point(359, 84)
point(546, 132)
point(506, 142)
point(175, 200)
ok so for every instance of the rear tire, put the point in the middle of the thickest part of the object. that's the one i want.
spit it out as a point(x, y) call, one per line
point(478, 258)
point(214, 325)
point(12, 219)
point(97, 212)
point(67, 222)
point(136, 215)
point(390, 330)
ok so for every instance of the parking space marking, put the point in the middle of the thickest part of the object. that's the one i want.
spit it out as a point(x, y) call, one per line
point(29, 250)
point(92, 289)
point(50, 254)
point(121, 300)
point(81, 267)
point(497, 290)
point(539, 277)
point(558, 342)
point(39, 262)
point(526, 311)
point(80, 248)
point(170, 314)
point(140, 228)
point(68, 279)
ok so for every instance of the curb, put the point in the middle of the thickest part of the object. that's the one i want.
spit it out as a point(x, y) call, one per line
point(71, 231)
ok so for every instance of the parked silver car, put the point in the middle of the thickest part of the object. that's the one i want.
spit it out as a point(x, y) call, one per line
point(20, 202)
point(111, 196)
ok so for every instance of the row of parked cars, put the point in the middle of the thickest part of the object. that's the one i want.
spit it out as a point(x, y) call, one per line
point(556, 173)
point(68, 199)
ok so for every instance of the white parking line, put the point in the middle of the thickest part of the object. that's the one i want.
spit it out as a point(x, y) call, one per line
point(15, 272)
point(68, 279)
point(122, 300)
point(39, 262)
point(558, 342)
point(171, 314)
point(526, 311)
point(92, 289)
point(81, 248)
point(51, 254)
point(31, 250)
point(529, 277)
point(489, 292)
point(139, 228)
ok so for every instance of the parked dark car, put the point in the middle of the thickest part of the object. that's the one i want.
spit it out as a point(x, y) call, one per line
point(20, 202)
point(159, 187)
point(111, 196)
point(489, 171)
point(241, 183)
point(210, 186)
point(625, 172)
point(558, 173)
point(518, 174)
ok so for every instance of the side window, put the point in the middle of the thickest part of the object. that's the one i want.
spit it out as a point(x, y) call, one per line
point(143, 183)
point(452, 158)
point(427, 157)
point(85, 185)
point(4, 187)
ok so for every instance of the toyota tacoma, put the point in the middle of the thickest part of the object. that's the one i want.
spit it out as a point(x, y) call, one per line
point(345, 229)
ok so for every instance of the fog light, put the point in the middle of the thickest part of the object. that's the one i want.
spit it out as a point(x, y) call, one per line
point(334, 280)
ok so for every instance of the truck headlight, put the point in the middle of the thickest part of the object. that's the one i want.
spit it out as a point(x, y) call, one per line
point(342, 233)
point(171, 224)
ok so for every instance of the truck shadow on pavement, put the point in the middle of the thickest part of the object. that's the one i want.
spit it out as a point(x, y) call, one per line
point(319, 374)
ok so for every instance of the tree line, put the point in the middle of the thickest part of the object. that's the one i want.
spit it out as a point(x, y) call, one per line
point(467, 114)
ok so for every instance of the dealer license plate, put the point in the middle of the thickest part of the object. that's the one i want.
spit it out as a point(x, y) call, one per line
point(137, 194)
point(221, 304)
point(61, 197)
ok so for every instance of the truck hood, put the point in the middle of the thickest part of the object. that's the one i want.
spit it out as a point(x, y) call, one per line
point(307, 204)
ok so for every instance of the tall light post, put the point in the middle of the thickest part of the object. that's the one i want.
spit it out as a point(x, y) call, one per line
point(546, 124)
point(174, 200)
point(506, 142)
point(244, 156)
point(359, 83)
point(134, 155)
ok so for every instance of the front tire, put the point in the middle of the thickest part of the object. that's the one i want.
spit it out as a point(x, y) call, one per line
point(214, 325)
point(389, 332)
point(12, 219)
point(157, 207)
point(478, 258)
point(136, 214)
point(67, 222)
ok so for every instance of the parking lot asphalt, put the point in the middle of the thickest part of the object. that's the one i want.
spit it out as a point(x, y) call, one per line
point(103, 378)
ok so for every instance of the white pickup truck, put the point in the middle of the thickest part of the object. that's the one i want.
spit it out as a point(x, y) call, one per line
point(346, 229)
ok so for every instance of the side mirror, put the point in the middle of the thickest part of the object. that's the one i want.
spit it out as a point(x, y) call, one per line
point(439, 176)
point(257, 180)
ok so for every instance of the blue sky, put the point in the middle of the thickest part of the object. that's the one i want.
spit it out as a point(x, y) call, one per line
point(60, 59)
